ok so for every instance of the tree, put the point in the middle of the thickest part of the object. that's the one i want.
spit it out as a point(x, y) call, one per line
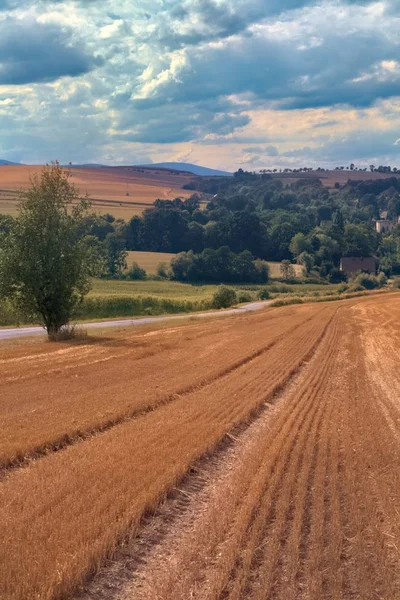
point(359, 240)
point(114, 255)
point(299, 244)
point(338, 220)
point(45, 260)
point(287, 270)
point(306, 260)
point(224, 297)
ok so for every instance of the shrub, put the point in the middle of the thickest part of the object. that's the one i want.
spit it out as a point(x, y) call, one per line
point(243, 297)
point(135, 272)
point(342, 288)
point(224, 297)
point(336, 276)
point(287, 302)
point(382, 280)
point(264, 294)
point(162, 270)
point(396, 284)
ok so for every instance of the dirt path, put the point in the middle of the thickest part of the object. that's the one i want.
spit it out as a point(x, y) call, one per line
point(302, 503)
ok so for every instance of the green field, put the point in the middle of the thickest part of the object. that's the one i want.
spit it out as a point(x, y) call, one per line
point(173, 290)
point(110, 298)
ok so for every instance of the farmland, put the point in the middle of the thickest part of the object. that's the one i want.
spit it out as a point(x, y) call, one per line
point(272, 440)
point(149, 261)
point(121, 191)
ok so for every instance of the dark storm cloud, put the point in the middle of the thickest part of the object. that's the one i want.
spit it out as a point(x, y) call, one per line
point(39, 52)
point(339, 68)
point(166, 125)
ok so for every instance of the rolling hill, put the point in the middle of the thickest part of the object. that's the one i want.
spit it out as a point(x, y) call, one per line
point(190, 168)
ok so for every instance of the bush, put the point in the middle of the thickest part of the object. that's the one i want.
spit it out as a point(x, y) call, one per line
point(287, 302)
point(135, 272)
point(382, 280)
point(264, 294)
point(370, 282)
point(342, 288)
point(243, 297)
point(336, 276)
point(396, 284)
point(224, 297)
point(162, 270)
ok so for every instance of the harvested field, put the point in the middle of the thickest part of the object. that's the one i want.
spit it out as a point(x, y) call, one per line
point(121, 191)
point(300, 502)
point(149, 261)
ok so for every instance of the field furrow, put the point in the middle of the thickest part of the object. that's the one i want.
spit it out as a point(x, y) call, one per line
point(50, 400)
point(301, 504)
point(87, 497)
point(308, 508)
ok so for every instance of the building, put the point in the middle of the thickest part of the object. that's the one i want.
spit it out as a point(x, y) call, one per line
point(385, 225)
point(353, 264)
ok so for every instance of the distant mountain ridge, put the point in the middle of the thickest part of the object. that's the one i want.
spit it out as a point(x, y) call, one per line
point(190, 168)
point(176, 166)
point(8, 162)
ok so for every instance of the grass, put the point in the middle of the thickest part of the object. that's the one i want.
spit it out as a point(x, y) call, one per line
point(115, 298)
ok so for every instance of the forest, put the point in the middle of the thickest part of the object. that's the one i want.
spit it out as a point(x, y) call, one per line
point(230, 222)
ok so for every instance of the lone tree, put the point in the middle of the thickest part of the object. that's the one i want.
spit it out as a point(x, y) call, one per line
point(45, 260)
point(287, 270)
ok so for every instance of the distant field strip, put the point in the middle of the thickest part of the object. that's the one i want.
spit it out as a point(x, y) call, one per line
point(87, 496)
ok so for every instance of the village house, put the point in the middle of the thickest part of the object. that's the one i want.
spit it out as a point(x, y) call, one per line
point(353, 264)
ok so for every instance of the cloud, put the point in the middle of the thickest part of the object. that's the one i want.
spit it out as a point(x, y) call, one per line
point(266, 151)
point(31, 51)
point(165, 125)
point(311, 60)
point(253, 79)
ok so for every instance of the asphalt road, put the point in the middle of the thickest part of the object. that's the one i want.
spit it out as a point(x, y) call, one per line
point(18, 332)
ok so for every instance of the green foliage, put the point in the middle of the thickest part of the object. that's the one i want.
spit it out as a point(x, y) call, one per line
point(162, 270)
point(300, 244)
point(136, 273)
point(370, 282)
point(45, 259)
point(243, 297)
point(336, 276)
point(224, 297)
point(287, 270)
point(264, 294)
point(359, 240)
point(114, 255)
point(396, 283)
point(219, 265)
point(130, 306)
point(307, 261)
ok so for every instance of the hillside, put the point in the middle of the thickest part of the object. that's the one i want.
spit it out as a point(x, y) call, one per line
point(190, 168)
point(122, 191)
point(7, 162)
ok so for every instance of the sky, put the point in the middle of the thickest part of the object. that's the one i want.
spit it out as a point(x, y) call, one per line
point(223, 83)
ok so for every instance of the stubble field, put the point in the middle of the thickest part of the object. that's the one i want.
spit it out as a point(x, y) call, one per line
point(121, 191)
point(272, 441)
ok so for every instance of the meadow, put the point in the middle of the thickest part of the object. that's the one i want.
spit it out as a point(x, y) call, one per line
point(111, 298)
point(288, 417)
